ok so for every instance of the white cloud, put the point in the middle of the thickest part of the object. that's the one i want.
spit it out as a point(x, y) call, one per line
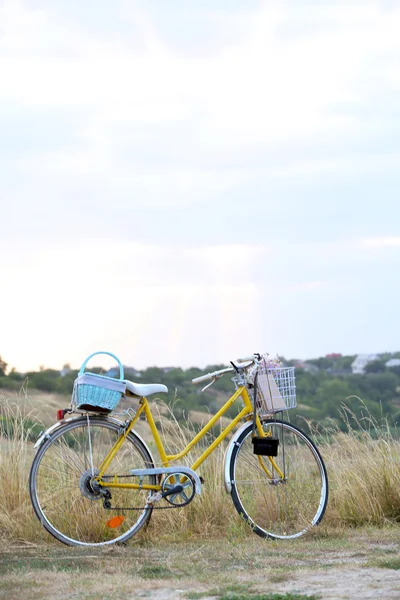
point(266, 89)
point(264, 86)
point(231, 133)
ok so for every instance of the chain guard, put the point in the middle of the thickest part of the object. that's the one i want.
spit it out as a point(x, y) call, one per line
point(186, 496)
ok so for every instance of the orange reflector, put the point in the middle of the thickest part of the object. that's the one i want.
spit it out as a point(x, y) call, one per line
point(115, 522)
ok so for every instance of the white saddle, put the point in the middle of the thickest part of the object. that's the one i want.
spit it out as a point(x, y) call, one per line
point(145, 389)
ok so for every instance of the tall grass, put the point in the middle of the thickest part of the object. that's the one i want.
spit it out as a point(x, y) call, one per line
point(362, 462)
point(17, 521)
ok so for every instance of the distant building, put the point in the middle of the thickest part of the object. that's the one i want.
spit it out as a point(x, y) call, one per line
point(393, 362)
point(334, 355)
point(361, 361)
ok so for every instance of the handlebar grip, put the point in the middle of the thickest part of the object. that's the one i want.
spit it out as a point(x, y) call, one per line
point(246, 359)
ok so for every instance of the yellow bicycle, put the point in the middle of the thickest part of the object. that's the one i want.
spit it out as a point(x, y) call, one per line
point(94, 481)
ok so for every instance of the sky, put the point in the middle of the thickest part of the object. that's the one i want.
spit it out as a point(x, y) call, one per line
point(183, 183)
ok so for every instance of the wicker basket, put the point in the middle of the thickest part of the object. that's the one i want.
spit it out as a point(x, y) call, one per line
point(276, 389)
point(98, 393)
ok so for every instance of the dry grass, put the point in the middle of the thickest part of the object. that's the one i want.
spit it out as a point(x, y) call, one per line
point(363, 468)
point(16, 516)
point(40, 405)
point(210, 514)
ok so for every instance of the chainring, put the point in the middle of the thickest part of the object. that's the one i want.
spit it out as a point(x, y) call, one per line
point(180, 498)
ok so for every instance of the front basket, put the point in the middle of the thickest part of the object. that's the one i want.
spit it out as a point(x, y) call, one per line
point(276, 389)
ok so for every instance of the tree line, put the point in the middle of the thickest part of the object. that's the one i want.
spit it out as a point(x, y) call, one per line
point(321, 391)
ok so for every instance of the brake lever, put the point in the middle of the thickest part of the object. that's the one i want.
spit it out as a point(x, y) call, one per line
point(214, 379)
point(208, 385)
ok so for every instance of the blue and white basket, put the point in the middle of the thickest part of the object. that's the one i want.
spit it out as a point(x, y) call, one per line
point(98, 393)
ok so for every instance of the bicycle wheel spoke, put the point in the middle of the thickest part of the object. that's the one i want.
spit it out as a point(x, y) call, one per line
point(68, 456)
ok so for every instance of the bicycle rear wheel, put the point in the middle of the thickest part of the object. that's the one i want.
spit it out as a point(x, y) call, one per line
point(284, 496)
point(61, 490)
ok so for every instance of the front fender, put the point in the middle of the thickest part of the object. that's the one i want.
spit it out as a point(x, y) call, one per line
point(228, 456)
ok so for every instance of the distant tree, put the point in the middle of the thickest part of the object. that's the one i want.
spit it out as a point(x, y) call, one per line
point(47, 380)
point(376, 366)
point(3, 367)
point(15, 376)
point(323, 362)
point(395, 370)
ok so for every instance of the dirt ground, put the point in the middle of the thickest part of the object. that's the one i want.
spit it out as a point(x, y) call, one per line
point(358, 564)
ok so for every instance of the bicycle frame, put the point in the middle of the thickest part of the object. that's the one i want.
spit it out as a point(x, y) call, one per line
point(167, 458)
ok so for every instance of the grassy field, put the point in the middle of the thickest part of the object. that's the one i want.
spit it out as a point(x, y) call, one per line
point(204, 550)
point(43, 406)
point(352, 564)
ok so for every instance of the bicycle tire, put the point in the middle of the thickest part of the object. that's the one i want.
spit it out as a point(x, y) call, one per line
point(63, 500)
point(272, 507)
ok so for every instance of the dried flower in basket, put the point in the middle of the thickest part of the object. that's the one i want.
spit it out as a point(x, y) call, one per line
point(270, 363)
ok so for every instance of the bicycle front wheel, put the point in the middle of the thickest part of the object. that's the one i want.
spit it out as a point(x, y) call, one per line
point(284, 496)
point(64, 497)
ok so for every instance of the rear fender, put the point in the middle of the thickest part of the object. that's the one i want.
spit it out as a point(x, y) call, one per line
point(46, 434)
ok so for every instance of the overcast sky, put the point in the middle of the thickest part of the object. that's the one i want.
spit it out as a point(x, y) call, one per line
point(184, 182)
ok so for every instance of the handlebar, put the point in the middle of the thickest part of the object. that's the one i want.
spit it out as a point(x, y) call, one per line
point(212, 375)
point(254, 358)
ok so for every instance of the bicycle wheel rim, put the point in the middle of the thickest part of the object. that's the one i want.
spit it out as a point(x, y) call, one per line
point(275, 507)
point(62, 498)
